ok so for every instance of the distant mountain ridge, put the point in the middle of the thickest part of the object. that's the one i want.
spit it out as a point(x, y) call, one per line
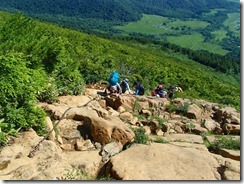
point(114, 10)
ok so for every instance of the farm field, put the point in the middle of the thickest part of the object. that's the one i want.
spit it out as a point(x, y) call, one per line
point(184, 33)
point(196, 42)
point(154, 24)
point(233, 23)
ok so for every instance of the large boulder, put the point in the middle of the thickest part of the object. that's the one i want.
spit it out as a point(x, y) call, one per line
point(74, 100)
point(128, 102)
point(46, 164)
point(56, 111)
point(79, 113)
point(194, 112)
point(87, 161)
point(163, 162)
point(104, 131)
point(227, 115)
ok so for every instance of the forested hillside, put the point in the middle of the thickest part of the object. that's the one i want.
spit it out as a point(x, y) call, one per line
point(79, 13)
point(40, 61)
point(220, 34)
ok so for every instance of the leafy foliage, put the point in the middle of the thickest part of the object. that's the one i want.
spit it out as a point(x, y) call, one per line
point(226, 142)
point(102, 16)
point(178, 109)
point(140, 136)
point(161, 121)
point(190, 126)
point(33, 66)
point(17, 95)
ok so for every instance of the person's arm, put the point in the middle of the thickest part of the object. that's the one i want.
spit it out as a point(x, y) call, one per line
point(161, 92)
point(137, 91)
point(120, 89)
point(127, 87)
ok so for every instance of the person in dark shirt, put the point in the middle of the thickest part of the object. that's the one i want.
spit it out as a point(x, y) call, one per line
point(125, 86)
point(139, 88)
point(160, 92)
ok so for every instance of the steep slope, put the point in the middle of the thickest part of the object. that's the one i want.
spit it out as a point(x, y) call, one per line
point(49, 46)
point(102, 17)
point(39, 62)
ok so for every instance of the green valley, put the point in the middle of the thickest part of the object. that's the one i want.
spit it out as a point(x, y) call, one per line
point(186, 33)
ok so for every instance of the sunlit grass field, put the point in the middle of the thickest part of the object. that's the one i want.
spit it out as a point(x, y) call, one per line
point(154, 24)
point(196, 42)
point(183, 33)
point(233, 23)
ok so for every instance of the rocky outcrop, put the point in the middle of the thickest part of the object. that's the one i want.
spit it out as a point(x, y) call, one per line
point(163, 162)
point(104, 131)
point(94, 135)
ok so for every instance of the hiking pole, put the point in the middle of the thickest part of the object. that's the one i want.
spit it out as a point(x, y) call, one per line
point(32, 152)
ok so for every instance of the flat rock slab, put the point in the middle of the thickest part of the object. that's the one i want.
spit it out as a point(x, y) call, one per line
point(163, 162)
point(191, 138)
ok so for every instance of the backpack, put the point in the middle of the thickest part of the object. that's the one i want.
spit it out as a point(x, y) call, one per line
point(141, 86)
point(141, 89)
point(113, 78)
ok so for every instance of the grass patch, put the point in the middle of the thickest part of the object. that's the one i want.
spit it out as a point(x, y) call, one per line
point(226, 142)
point(198, 43)
point(160, 121)
point(160, 140)
point(194, 24)
point(233, 23)
point(154, 24)
point(219, 35)
point(179, 110)
point(136, 106)
point(77, 174)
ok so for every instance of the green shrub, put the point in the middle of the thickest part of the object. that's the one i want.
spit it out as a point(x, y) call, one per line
point(160, 121)
point(19, 85)
point(190, 126)
point(139, 116)
point(140, 136)
point(68, 79)
point(179, 110)
point(48, 94)
point(226, 142)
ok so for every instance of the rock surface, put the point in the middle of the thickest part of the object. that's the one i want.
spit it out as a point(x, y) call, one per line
point(94, 135)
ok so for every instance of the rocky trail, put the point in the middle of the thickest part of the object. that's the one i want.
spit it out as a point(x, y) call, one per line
point(93, 138)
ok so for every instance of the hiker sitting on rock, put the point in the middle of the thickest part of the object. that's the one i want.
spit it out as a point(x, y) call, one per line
point(139, 88)
point(159, 92)
point(113, 83)
point(125, 86)
point(172, 89)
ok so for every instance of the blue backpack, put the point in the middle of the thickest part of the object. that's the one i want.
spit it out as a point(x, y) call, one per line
point(114, 78)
